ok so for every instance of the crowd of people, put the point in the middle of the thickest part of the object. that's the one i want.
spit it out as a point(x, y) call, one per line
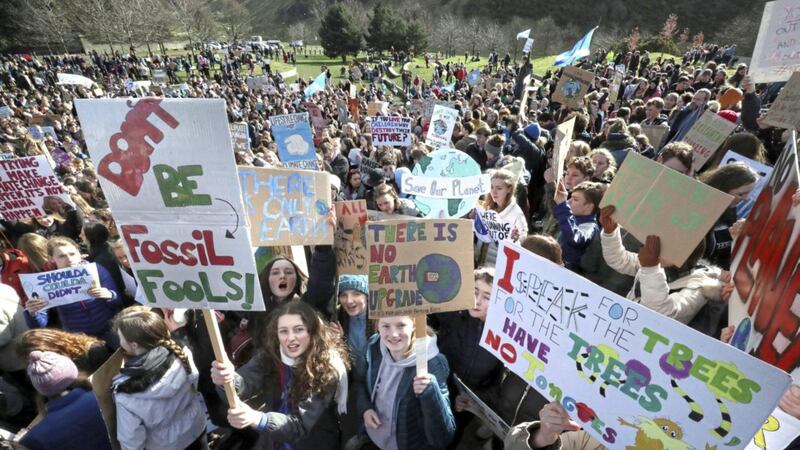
point(314, 371)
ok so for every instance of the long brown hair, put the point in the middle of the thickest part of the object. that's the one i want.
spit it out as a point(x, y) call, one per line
point(508, 179)
point(35, 248)
point(149, 330)
point(315, 370)
point(72, 345)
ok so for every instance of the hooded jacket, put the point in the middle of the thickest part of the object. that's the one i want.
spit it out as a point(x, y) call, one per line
point(680, 299)
point(421, 422)
point(619, 144)
point(12, 325)
point(168, 415)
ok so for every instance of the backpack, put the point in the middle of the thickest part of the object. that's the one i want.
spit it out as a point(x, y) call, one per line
point(14, 263)
point(240, 345)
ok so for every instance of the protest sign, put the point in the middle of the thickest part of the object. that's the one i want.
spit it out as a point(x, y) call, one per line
point(785, 110)
point(564, 133)
point(778, 432)
point(182, 222)
point(289, 73)
point(352, 106)
point(632, 378)
point(652, 199)
point(572, 87)
point(240, 138)
point(616, 84)
point(318, 123)
point(655, 133)
point(490, 227)
point(705, 137)
point(287, 207)
point(6, 111)
point(443, 122)
point(62, 286)
point(458, 183)
point(764, 270)
point(777, 51)
point(160, 76)
point(481, 410)
point(7, 156)
point(419, 266)
point(101, 386)
point(391, 131)
point(292, 134)
point(341, 112)
point(257, 83)
point(372, 173)
point(350, 237)
point(528, 45)
point(764, 171)
point(38, 132)
point(29, 188)
point(377, 108)
point(68, 78)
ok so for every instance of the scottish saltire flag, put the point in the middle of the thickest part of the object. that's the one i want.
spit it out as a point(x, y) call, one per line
point(317, 86)
point(578, 51)
point(524, 34)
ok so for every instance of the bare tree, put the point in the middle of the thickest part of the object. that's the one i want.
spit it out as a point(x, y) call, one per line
point(152, 25)
point(44, 20)
point(96, 18)
point(494, 36)
point(234, 18)
point(471, 35)
point(193, 18)
point(447, 32)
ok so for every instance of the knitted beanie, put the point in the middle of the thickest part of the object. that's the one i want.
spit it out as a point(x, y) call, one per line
point(353, 283)
point(51, 373)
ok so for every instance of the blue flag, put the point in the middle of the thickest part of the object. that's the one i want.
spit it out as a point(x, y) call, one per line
point(317, 86)
point(578, 51)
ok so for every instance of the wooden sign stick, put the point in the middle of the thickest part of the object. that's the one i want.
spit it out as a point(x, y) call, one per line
point(421, 344)
point(219, 353)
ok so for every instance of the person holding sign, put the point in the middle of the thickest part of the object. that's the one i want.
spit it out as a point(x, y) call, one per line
point(302, 374)
point(156, 389)
point(388, 202)
point(506, 214)
point(403, 410)
point(91, 316)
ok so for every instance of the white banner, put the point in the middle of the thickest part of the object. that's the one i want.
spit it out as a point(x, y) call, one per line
point(441, 187)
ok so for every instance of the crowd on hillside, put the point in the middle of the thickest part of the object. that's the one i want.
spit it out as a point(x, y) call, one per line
point(313, 371)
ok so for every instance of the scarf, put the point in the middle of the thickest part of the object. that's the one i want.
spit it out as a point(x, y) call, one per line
point(341, 388)
point(144, 370)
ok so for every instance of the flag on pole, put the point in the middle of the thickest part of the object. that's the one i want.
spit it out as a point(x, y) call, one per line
point(524, 35)
point(578, 51)
point(317, 86)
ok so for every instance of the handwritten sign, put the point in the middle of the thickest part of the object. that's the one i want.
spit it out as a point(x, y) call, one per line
point(454, 173)
point(318, 123)
point(561, 149)
point(764, 270)
point(160, 76)
point(481, 410)
point(616, 84)
point(240, 138)
point(295, 141)
point(652, 199)
point(629, 376)
point(182, 221)
point(350, 237)
point(705, 137)
point(391, 131)
point(419, 267)
point(29, 188)
point(655, 133)
point(777, 432)
point(60, 287)
point(287, 207)
point(777, 51)
point(785, 110)
point(443, 122)
point(572, 87)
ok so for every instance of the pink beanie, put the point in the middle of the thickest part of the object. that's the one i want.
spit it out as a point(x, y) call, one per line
point(51, 373)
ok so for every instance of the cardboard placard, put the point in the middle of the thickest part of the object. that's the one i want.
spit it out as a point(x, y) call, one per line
point(622, 371)
point(29, 188)
point(655, 133)
point(160, 76)
point(377, 108)
point(443, 122)
point(776, 54)
point(778, 432)
point(258, 83)
point(482, 411)
point(178, 213)
point(287, 207)
point(68, 78)
point(705, 137)
point(616, 84)
point(421, 266)
point(572, 87)
point(101, 386)
point(350, 237)
point(295, 141)
point(240, 138)
point(764, 171)
point(450, 168)
point(764, 269)
point(652, 199)
point(785, 110)
point(564, 133)
point(61, 286)
point(318, 123)
point(391, 131)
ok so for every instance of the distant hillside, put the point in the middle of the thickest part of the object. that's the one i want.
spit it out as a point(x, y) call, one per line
point(721, 21)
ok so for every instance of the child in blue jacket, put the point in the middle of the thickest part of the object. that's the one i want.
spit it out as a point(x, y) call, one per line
point(577, 219)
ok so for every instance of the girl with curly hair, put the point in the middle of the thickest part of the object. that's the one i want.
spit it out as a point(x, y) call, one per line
point(87, 352)
point(301, 372)
point(156, 390)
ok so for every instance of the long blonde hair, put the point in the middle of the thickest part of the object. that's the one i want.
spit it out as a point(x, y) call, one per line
point(35, 248)
point(510, 182)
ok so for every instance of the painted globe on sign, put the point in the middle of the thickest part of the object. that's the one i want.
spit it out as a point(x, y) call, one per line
point(446, 163)
point(438, 278)
point(742, 334)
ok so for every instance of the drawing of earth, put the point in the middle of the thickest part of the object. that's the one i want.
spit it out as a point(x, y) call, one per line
point(742, 334)
point(446, 163)
point(438, 278)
